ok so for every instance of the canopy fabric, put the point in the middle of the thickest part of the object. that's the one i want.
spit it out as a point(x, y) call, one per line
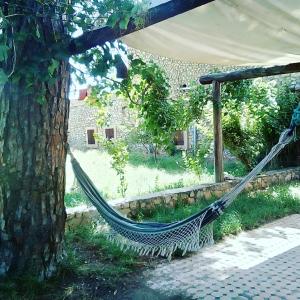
point(227, 32)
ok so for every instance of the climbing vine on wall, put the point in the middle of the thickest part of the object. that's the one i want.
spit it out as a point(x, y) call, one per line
point(147, 91)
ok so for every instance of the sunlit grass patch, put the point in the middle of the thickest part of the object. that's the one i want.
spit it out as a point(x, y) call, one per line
point(143, 173)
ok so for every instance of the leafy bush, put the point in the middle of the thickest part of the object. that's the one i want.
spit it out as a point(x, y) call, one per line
point(147, 92)
point(255, 113)
point(231, 223)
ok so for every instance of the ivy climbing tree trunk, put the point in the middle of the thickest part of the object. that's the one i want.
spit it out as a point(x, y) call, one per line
point(34, 109)
point(32, 157)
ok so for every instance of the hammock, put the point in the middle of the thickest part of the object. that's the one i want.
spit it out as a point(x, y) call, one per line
point(190, 234)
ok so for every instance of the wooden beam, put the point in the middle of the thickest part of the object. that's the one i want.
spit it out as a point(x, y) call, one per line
point(154, 15)
point(218, 135)
point(250, 73)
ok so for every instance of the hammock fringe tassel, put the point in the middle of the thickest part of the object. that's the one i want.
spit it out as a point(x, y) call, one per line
point(194, 242)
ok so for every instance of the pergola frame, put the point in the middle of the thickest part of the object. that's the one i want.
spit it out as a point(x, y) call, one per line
point(216, 79)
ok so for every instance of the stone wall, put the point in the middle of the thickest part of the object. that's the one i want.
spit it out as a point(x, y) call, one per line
point(83, 117)
point(118, 116)
point(182, 73)
point(132, 206)
point(179, 72)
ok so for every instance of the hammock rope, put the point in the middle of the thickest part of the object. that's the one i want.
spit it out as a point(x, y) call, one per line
point(190, 234)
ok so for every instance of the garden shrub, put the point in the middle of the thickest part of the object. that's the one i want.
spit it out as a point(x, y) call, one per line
point(255, 113)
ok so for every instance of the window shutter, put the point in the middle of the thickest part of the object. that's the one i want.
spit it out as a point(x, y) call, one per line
point(90, 137)
point(179, 138)
point(109, 133)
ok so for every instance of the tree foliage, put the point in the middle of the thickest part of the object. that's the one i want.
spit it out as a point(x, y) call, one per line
point(117, 149)
point(35, 34)
point(147, 91)
point(195, 161)
point(255, 113)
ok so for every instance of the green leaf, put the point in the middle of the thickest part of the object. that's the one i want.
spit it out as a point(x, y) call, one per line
point(124, 22)
point(53, 67)
point(3, 52)
point(41, 99)
point(70, 10)
point(112, 21)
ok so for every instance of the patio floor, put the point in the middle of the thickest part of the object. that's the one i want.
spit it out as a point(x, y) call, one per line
point(260, 264)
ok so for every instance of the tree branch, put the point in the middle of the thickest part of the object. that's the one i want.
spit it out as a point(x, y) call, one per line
point(154, 15)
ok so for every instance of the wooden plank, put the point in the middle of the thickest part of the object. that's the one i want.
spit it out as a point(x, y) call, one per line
point(218, 135)
point(156, 14)
point(250, 73)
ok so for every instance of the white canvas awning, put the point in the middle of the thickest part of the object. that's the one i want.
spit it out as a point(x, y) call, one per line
point(228, 32)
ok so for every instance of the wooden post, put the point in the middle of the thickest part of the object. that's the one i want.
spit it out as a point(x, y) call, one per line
point(218, 136)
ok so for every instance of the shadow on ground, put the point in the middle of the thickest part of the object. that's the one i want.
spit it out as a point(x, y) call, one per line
point(145, 293)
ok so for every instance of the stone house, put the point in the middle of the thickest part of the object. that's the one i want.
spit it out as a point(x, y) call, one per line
point(83, 118)
point(83, 124)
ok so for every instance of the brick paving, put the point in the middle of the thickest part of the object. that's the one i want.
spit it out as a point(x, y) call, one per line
point(260, 264)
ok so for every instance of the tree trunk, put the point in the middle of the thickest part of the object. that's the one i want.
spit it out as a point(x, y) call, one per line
point(33, 140)
point(32, 166)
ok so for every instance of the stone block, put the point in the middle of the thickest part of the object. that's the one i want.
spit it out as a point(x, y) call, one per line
point(218, 193)
point(288, 177)
point(168, 198)
point(133, 204)
point(199, 194)
point(249, 186)
point(264, 183)
point(126, 211)
point(172, 203)
point(191, 200)
point(207, 195)
point(275, 179)
point(157, 201)
point(258, 181)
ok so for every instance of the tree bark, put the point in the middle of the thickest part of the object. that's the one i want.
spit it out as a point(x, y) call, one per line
point(218, 133)
point(33, 145)
point(32, 161)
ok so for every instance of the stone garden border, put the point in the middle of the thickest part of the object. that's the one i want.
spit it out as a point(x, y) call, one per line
point(131, 206)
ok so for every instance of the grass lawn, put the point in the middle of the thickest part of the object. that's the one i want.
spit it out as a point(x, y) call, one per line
point(143, 174)
point(248, 211)
point(94, 268)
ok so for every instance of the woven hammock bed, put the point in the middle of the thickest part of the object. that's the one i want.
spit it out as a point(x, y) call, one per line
point(190, 234)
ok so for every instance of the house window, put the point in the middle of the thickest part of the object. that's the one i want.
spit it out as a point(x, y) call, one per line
point(179, 138)
point(83, 94)
point(90, 136)
point(109, 133)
